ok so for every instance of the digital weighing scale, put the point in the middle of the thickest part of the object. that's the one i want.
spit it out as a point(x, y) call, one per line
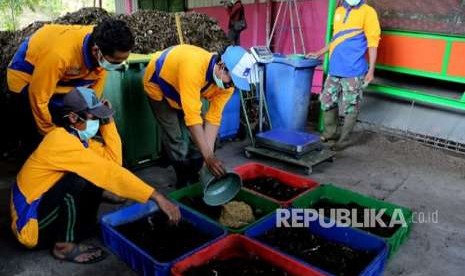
point(299, 148)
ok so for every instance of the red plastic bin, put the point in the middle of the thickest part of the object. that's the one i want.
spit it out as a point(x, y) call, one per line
point(236, 245)
point(255, 170)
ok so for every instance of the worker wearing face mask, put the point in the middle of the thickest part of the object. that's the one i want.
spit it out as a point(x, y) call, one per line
point(54, 60)
point(55, 198)
point(176, 80)
point(356, 32)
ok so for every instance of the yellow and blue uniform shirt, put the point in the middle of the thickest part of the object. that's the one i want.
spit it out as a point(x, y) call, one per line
point(55, 59)
point(61, 152)
point(182, 75)
point(355, 30)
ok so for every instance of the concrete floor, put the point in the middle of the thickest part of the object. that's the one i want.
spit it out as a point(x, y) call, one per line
point(403, 172)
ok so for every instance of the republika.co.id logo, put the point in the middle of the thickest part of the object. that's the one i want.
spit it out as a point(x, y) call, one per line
point(340, 217)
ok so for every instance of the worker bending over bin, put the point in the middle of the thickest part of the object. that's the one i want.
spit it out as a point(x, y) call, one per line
point(356, 31)
point(53, 61)
point(56, 196)
point(175, 81)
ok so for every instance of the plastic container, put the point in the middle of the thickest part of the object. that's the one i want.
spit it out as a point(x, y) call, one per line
point(136, 258)
point(234, 246)
point(219, 191)
point(344, 196)
point(288, 84)
point(344, 235)
point(255, 201)
point(231, 118)
point(255, 170)
point(139, 131)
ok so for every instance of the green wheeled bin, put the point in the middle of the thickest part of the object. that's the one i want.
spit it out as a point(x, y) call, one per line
point(136, 124)
point(162, 5)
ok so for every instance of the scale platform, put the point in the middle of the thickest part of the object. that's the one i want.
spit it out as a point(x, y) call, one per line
point(307, 161)
point(297, 148)
point(292, 142)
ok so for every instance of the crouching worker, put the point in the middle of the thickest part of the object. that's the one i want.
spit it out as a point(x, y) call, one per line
point(57, 193)
point(176, 80)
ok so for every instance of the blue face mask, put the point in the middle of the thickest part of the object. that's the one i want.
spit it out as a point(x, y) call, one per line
point(218, 81)
point(105, 64)
point(92, 127)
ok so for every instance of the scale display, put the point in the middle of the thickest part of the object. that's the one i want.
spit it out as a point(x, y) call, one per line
point(262, 54)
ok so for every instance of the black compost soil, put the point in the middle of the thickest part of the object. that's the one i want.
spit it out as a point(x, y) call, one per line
point(214, 212)
point(329, 256)
point(164, 241)
point(236, 267)
point(273, 188)
point(385, 231)
point(197, 203)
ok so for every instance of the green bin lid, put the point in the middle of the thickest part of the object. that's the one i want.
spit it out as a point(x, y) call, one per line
point(138, 58)
point(296, 56)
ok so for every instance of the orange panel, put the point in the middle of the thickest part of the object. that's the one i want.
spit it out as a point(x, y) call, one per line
point(457, 60)
point(412, 52)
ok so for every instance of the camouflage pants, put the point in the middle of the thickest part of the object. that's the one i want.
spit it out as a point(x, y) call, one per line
point(351, 89)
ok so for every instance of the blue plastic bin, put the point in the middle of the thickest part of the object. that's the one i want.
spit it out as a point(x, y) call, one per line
point(138, 259)
point(231, 117)
point(347, 236)
point(288, 85)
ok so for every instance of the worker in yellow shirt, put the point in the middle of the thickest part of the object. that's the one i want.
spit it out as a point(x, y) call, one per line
point(356, 32)
point(54, 60)
point(176, 80)
point(55, 198)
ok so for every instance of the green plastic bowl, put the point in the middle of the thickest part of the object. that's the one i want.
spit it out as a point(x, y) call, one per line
point(219, 191)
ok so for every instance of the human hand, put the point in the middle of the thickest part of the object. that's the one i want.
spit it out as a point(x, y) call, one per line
point(368, 78)
point(109, 105)
point(215, 166)
point(169, 208)
point(313, 55)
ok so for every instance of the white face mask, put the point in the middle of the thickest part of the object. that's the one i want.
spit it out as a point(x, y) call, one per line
point(105, 64)
point(92, 127)
point(219, 82)
point(353, 2)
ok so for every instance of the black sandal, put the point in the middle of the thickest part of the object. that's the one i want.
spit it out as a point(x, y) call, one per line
point(80, 249)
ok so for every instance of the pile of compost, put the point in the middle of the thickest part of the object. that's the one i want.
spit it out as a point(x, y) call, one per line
point(153, 30)
point(235, 214)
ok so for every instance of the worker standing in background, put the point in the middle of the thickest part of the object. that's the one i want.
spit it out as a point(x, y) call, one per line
point(356, 31)
point(54, 60)
point(237, 22)
point(176, 80)
point(57, 193)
